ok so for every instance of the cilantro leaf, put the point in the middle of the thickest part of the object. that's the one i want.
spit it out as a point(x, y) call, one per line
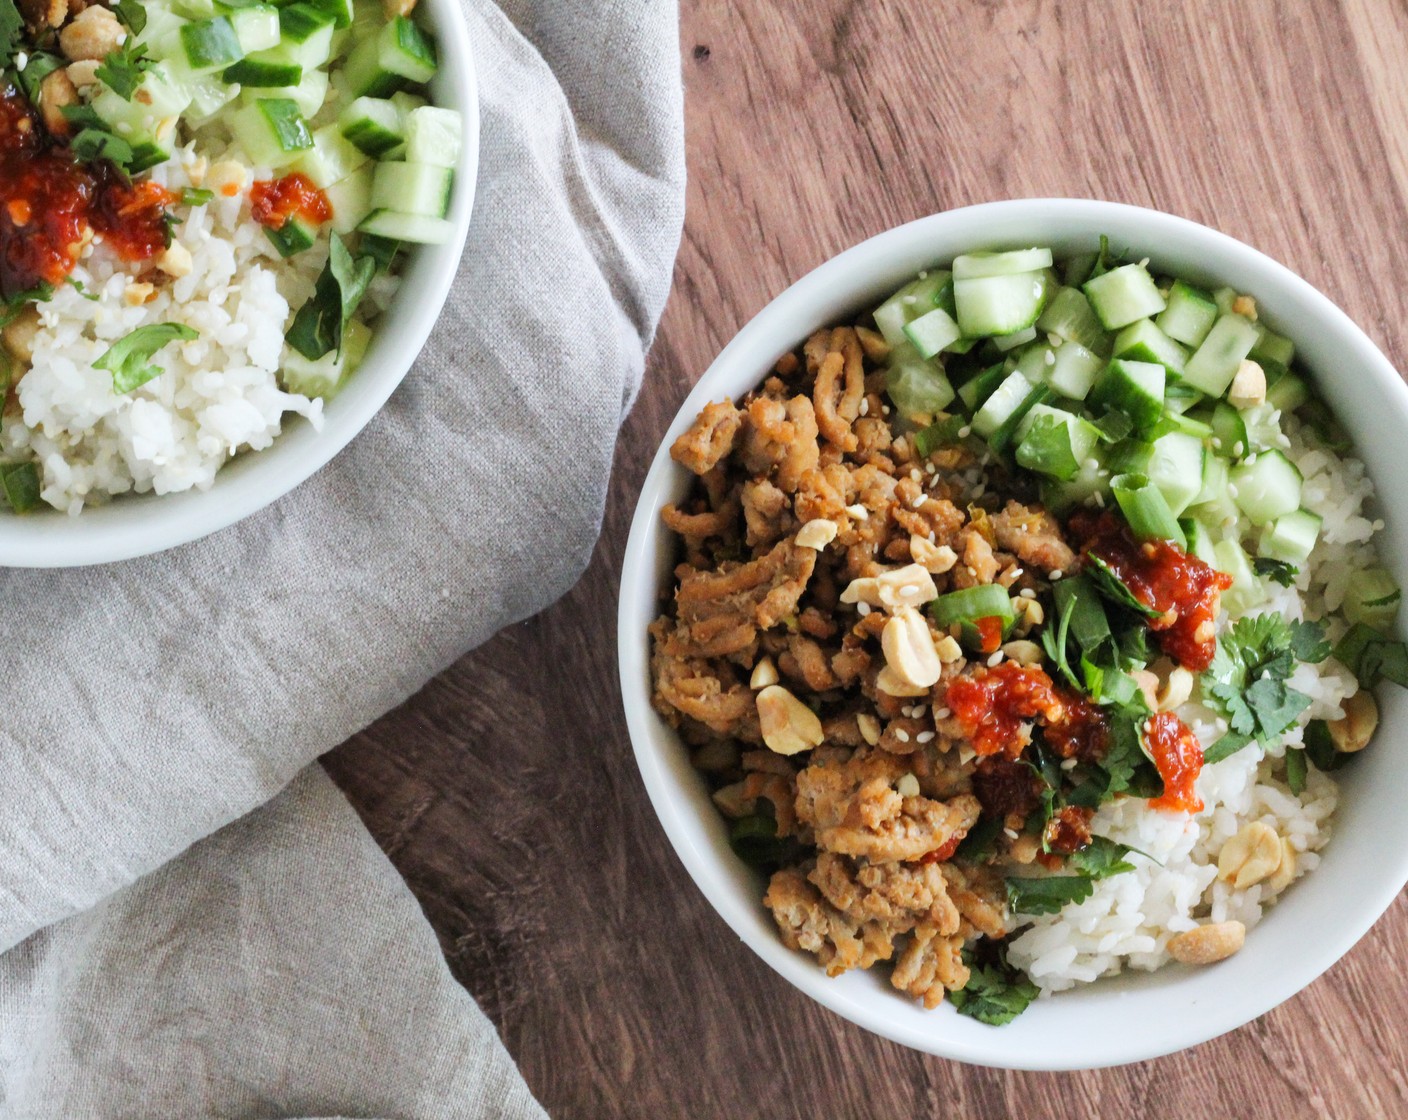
point(317, 328)
point(1101, 858)
point(122, 70)
point(995, 994)
point(1274, 705)
point(1278, 571)
point(20, 482)
point(126, 358)
point(133, 14)
point(977, 845)
point(1372, 656)
point(1226, 747)
point(1246, 679)
point(1048, 894)
point(1125, 753)
point(1308, 642)
point(1112, 588)
point(11, 23)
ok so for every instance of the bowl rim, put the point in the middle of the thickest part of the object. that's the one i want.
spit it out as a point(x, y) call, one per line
point(639, 588)
point(135, 525)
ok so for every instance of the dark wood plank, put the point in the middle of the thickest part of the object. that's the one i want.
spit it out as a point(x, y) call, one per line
point(506, 793)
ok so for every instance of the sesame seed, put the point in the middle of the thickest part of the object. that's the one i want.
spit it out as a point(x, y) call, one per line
point(1238, 448)
point(864, 406)
point(924, 737)
point(885, 409)
point(1231, 489)
point(1027, 593)
point(1216, 443)
point(901, 734)
point(1092, 463)
point(862, 609)
point(919, 501)
point(1017, 572)
point(1010, 833)
point(924, 275)
point(1378, 524)
point(1144, 263)
point(907, 711)
point(942, 713)
point(965, 431)
point(1054, 339)
point(1099, 499)
point(995, 660)
point(980, 489)
point(1069, 764)
point(931, 468)
point(1056, 573)
point(1050, 358)
point(915, 474)
point(911, 299)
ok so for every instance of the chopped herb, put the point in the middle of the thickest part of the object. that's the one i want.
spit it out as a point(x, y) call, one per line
point(1308, 642)
point(194, 196)
point(126, 358)
point(1101, 858)
point(1278, 571)
point(92, 145)
point(1320, 747)
point(1246, 680)
point(754, 840)
point(10, 309)
point(1114, 426)
point(122, 70)
point(1295, 770)
point(1372, 656)
point(40, 65)
point(77, 286)
point(11, 23)
point(134, 14)
point(1113, 589)
point(940, 433)
point(977, 845)
point(317, 328)
point(1048, 894)
point(20, 481)
point(995, 993)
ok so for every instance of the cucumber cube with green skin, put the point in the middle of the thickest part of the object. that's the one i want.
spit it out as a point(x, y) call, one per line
point(929, 333)
point(972, 266)
point(1215, 362)
point(1134, 388)
point(1006, 342)
point(308, 95)
point(1284, 390)
point(1177, 422)
point(1006, 432)
point(998, 305)
point(1074, 370)
point(373, 124)
point(1129, 456)
point(1142, 341)
point(1123, 295)
point(1265, 487)
point(974, 393)
point(1229, 431)
point(1291, 537)
point(256, 27)
point(1246, 590)
point(1190, 314)
point(333, 158)
point(1272, 348)
point(398, 54)
point(1055, 443)
point(1176, 468)
point(1199, 540)
point(916, 386)
point(1069, 316)
point(913, 301)
point(210, 44)
point(351, 200)
point(1372, 598)
point(294, 236)
point(1005, 400)
point(272, 131)
point(435, 136)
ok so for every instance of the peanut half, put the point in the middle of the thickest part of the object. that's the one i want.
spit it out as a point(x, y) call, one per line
point(788, 725)
point(1207, 944)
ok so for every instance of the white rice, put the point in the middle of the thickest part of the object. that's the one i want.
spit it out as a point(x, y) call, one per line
point(1128, 920)
point(219, 394)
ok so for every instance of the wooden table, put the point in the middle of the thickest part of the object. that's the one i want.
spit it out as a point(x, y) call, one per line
point(506, 792)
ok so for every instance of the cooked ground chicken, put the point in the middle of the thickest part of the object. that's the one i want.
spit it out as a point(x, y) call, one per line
point(803, 487)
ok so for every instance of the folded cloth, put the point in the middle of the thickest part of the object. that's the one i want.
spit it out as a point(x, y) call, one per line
point(155, 701)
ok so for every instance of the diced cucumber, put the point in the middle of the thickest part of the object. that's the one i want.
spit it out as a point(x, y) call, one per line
point(972, 266)
point(308, 95)
point(305, 35)
point(1284, 390)
point(272, 131)
point(351, 200)
point(1074, 370)
point(1199, 540)
point(1272, 347)
point(157, 98)
point(1265, 487)
point(1291, 537)
point(1142, 341)
point(916, 386)
point(998, 305)
point(256, 27)
point(1069, 316)
point(1229, 431)
point(1224, 298)
point(1055, 443)
point(1005, 401)
point(1176, 468)
point(913, 301)
point(929, 333)
point(1215, 362)
point(975, 392)
point(1006, 432)
point(1129, 456)
point(408, 227)
point(332, 158)
point(1372, 598)
point(399, 53)
point(340, 11)
point(294, 236)
point(1246, 590)
point(1189, 315)
point(416, 188)
point(264, 73)
point(325, 376)
point(1123, 295)
point(1006, 342)
point(435, 136)
point(374, 125)
point(1134, 388)
point(210, 44)
point(1213, 504)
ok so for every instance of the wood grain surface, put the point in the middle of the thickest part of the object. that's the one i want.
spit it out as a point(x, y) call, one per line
point(506, 792)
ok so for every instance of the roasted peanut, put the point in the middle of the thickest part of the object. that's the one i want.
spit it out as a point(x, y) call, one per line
point(907, 786)
point(1175, 691)
point(83, 74)
point(869, 728)
point(1249, 857)
point(892, 684)
point(1245, 306)
point(1248, 387)
point(948, 649)
point(56, 92)
point(175, 260)
point(910, 586)
point(18, 335)
point(1213, 942)
point(1148, 685)
point(788, 725)
point(1022, 652)
point(909, 648)
point(817, 533)
point(1286, 872)
point(935, 558)
point(93, 34)
point(764, 674)
point(1361, 720)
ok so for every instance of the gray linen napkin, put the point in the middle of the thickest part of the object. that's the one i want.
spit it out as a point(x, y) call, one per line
point(153, 702)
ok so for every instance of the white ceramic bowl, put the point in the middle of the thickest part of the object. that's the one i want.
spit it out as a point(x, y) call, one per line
point(1137, 1015)
point(136, 525)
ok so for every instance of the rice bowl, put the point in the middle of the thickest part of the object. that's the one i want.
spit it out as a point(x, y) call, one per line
point(881, 268)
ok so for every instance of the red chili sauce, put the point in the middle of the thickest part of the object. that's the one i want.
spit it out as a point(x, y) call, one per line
point(274, 201)
point(944, 852)
point(1179, 757)
point(1164, 577)
point(993, 705)
point(49, 202)
point(1068, 830)
point(989, 634)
